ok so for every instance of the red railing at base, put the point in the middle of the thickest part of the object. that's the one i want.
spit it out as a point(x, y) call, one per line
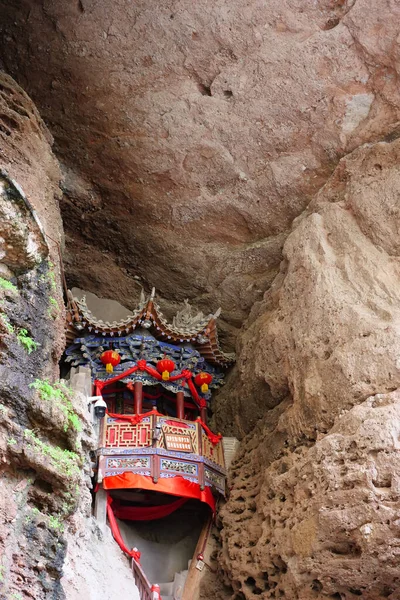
point(146, 590)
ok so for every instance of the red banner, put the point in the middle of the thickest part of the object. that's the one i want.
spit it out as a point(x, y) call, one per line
point(175, 486)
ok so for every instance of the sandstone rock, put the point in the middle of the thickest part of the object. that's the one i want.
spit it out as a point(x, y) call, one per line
point(323, 522)
point(95, 567)
point(44, 478)
point(192, 135)
point(307, 494)
point(326, 334)
point(191, 139)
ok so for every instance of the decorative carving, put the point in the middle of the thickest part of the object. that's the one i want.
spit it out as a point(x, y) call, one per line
point(135, 462)
point(215, 454)
point(185, 319)
point(217, 480)
point(178, 467)
point(125, 435)
point(169, 428)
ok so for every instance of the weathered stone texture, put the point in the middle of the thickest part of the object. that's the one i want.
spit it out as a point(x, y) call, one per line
point(324, 520)
point(44, 473)
point(193, 133)
point(314, 504)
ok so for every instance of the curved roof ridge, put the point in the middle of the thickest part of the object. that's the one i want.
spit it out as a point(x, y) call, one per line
point(186, 326)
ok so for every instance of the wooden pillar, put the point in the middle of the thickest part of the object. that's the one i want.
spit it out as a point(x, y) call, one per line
point(203, 414)
point(100, 507)
point(196, 570)
point(180, 405)
point(138, 397)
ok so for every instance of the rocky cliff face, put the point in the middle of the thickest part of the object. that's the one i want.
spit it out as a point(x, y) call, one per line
point(248, 156)
point(192, 135)
point(314, 506)
point(44, 433)
point(33, 444)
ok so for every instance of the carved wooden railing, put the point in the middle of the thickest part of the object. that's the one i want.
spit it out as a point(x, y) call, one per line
point(162, 446)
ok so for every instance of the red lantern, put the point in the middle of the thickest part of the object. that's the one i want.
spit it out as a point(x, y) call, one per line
point(111, 359)
point(203, 380)
point(165, 367)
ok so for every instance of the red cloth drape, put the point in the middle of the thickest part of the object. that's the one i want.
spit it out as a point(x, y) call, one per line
point(143, 366)
point(134, 553)
point(146, 513)
point(214, 438)
point(175, 486)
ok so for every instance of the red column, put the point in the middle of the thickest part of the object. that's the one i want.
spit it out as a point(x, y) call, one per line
point(180, 405)
point(138, 397)
point(203, 414)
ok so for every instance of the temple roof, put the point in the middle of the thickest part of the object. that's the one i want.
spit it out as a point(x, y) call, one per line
point(196, 329)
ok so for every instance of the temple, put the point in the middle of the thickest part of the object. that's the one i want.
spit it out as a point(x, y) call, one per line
point(152, 384)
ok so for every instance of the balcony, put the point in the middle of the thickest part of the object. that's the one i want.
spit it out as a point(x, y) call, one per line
point(161, 447)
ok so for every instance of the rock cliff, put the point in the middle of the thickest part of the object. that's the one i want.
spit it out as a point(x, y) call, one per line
point(45, 436)
point(199, 131)
point(314, 505)
point(237, 154)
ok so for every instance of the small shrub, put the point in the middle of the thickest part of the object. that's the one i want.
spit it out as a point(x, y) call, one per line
point(26, 341)
point(7, 285)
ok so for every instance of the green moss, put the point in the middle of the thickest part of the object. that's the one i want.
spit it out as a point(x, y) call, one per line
point(51, 276)
point(11, 441)
point(7, 324)
point(55, 523)
point(58, 393)
point(53, 307)
point(64, 461)
point(26, 341)
point(7, 285)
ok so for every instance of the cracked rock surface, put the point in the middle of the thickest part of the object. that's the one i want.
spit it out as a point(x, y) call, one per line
point(314, 507)
point(199, 131)
point(45, 500)
point(247, 155)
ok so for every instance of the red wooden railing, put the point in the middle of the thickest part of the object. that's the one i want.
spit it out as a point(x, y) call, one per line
point(146, 590)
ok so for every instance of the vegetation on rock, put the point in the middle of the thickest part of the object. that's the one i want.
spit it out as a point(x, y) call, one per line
point(59, 394)
point(26, 341)
point(7, 285)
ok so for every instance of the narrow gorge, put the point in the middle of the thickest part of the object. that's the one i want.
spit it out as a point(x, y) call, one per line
point(236, 155)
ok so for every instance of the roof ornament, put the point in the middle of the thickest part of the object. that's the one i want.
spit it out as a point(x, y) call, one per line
point(188, 326)
point(185, 319)
point(142, 298)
